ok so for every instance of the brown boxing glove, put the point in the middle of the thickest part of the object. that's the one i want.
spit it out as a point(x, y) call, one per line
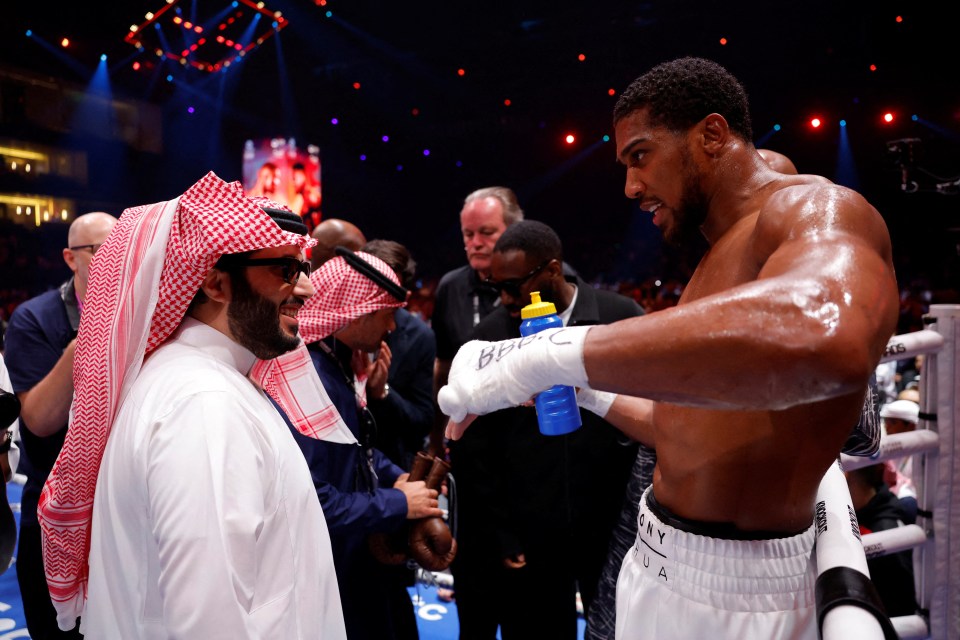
point(391, 548)
point(430, 542)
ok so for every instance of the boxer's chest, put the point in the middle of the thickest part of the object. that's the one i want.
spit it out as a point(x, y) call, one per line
point(732, 261)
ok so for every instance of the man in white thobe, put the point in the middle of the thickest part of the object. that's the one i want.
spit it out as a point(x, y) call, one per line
point(205, 522)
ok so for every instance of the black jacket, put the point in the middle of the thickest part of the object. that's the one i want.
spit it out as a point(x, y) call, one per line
point(516, 486)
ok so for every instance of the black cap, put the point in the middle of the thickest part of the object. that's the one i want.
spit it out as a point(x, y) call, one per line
point(287, 220)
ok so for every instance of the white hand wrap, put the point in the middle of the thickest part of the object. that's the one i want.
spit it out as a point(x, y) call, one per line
point(597, 402)
point(487, 376)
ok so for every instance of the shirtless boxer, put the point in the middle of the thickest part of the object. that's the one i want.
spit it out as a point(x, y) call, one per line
point(755, 377)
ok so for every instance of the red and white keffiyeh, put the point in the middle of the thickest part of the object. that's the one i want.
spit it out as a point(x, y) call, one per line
point(141, 283)
point(343, 295)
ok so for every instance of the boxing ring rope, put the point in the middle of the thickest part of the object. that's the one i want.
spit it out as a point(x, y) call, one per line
point(935, 445)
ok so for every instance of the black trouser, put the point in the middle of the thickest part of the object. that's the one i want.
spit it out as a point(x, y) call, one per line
point(37, 608)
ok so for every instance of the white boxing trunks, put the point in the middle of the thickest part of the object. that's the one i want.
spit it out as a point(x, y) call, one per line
point(678, 584)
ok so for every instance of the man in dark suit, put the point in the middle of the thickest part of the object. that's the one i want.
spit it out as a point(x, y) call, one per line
point(535, 512)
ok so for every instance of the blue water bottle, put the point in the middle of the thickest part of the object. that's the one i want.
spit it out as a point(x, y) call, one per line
point(557, 410)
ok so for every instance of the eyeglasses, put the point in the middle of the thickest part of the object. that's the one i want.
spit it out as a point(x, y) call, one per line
point(290, 268)
point(93, 247)
point(512, 287)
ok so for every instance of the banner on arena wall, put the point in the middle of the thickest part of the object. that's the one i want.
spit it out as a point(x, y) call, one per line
point(278, 169)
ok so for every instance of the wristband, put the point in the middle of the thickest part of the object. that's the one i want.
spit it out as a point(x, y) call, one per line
point(598, 402)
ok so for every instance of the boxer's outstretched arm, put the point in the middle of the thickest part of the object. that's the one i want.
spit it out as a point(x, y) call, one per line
point(812, 326)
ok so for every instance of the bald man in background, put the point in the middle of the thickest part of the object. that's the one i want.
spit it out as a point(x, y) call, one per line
point(40, 343)
point(330, 234)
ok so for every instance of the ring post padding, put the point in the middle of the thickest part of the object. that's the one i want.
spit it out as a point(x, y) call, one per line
point(844, 609)
point(938, 483)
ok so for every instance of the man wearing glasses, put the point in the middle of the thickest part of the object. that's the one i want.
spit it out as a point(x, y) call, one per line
point(40, 343)
point(536, 512)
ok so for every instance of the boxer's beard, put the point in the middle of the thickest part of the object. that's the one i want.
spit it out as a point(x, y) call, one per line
point(255, 322)
point(691, 213)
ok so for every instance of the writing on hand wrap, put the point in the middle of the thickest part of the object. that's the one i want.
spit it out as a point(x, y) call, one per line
point(499, 350)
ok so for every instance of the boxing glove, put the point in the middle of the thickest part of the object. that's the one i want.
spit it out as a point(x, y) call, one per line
point(431, 544)
point(391, 548)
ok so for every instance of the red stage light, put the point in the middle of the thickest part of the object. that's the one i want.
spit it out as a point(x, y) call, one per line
point(723, 41)
point(581, 57)
point(888, 117)
point(65, 43)
point(873, 67)
point(203, 55)
point(611, 92)
point(899, 18)
point(570, 139)
point(507, 102)
point(815, 123)
point(356, 85)
point(136, 66)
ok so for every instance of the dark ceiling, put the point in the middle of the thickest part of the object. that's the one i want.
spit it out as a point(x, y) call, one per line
point(795, 60)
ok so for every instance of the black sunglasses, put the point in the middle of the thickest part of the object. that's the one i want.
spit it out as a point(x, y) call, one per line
point(512, 287)
point(290, 268)
point(93, 247)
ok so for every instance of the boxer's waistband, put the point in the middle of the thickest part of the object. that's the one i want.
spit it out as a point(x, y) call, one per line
point(722, 530)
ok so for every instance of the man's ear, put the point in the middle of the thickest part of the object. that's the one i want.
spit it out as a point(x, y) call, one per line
point(555, 269)
point(70, 259)
point(216, 286)
point(715, 133)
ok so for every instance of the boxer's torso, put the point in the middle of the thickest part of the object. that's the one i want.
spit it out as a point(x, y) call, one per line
point(756, 469)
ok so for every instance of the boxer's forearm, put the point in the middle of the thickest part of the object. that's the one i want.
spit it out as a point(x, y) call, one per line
point(759, 346)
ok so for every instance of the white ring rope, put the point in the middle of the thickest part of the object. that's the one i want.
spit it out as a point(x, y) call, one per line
point(838, 539)
point(883, 543)
point(936, 475)
point(898, 445)
point(913, 344)
point(911, 627)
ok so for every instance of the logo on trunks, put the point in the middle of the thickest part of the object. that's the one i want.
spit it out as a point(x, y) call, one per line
point(499, 350)
point(821, 517)
point(649, 553)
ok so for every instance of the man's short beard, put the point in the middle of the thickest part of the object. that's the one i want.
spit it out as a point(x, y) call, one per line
point(255, 321)
point(691, 212)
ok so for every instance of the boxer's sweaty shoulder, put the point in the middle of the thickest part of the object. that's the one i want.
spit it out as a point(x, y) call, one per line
point(759, 469)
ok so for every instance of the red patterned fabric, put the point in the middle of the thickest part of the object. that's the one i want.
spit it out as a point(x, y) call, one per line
point(343, 295)
point(141, 283)
point(293, 382)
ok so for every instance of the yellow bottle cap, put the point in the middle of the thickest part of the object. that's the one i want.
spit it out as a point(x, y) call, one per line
point(537, 308)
